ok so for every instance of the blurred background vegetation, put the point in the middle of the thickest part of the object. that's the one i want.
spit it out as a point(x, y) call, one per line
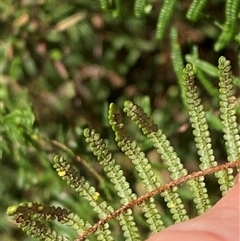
point(62, 63)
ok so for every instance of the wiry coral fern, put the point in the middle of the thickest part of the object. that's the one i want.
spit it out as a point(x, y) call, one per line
point(33, 218)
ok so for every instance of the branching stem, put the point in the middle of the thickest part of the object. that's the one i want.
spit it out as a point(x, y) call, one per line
point(147, 196)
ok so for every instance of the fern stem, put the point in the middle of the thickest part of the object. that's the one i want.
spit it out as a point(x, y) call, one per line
point(156, 191)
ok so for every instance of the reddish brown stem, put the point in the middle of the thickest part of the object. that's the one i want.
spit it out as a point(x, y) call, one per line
point(148, 195)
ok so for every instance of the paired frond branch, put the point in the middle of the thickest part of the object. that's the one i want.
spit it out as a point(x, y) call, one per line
point(158, 190)
point(115, 175)
point(141, 164)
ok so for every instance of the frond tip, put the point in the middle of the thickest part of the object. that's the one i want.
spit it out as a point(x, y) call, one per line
point(164, 17)
point(228, 110)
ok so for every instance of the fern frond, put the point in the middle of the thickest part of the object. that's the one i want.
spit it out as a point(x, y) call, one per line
point(228, 113)
point(139, 6)
point(168, 155)
point(195, 10)
point(32, 218)
point(156, 191)
point(84, 189)
point(115, 175)
point(142, 165)
point(231, 13)
point(113, 170)
point(177, 61)
point(152, 215)
point(198, 121)
point(159, 140)
point(164, 17)
point(201, 133)
point(132, 151)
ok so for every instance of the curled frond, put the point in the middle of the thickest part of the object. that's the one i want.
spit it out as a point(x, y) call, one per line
point(231, 22)
point(115, 175)
point(195, 9)
point(228, 112)
point(164, 17)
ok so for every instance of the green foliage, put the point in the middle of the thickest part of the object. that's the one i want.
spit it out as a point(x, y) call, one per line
point(230, 25)
point(164, 17)
point(85, 190)
point(32, 217)
point(170, 158)
point(116, 177)
point(63, 62)
point(141, 7)
point(227, 108)
point(195, 9)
